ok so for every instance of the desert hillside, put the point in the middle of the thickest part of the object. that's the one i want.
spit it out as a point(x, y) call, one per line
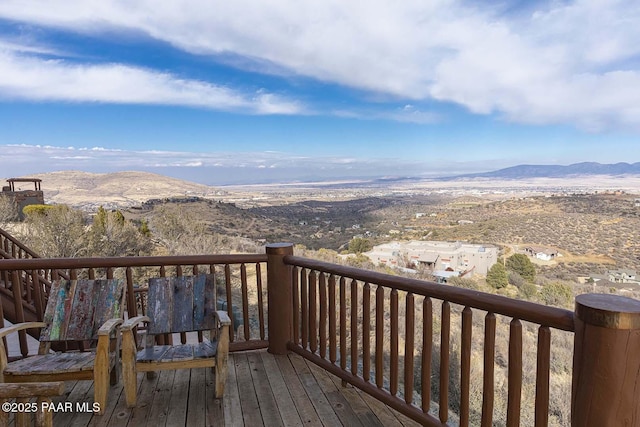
point(120, 189)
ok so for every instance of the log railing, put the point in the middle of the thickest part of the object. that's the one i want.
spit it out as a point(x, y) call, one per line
point(33, 285)
point(13, 248)
point(409, 343)
point(369, 328)
point(239, 279)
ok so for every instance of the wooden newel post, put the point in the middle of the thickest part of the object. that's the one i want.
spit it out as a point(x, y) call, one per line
point(279, 297)
point(606, 362)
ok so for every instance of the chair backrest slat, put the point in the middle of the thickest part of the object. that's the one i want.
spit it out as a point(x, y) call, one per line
point(76, 309)
point(85, 303)
point(110, 302)
point(181, 304)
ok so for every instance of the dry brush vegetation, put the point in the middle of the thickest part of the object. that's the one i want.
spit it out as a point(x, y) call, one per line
point(593, 232)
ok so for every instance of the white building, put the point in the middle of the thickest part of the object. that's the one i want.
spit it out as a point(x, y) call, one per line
point(432, 255)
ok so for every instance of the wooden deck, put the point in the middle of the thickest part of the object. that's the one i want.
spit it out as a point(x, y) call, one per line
point(262, 390)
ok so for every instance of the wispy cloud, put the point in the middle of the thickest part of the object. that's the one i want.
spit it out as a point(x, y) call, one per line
point(553, 62)
point(35, 78)
point(406, 114)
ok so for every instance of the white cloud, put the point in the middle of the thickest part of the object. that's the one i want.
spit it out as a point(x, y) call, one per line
point(550, 62)
point(34, 78)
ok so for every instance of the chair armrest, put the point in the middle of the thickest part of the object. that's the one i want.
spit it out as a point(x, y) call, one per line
point(20, 326)
point(223, 317)
point(134, 321)
point(109, 326)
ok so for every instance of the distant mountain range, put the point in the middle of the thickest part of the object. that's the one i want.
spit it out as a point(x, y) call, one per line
point(556, 171)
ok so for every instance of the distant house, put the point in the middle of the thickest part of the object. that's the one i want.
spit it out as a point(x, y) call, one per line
point(544, 254)
point(433, 255)
point(622, 276)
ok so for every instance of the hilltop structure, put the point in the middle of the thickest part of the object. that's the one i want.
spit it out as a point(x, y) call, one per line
point(24, 197)
point(443, 259)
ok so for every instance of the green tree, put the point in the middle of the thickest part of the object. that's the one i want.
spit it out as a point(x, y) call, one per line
point(358, 245)
point(521, 264)
point(497, 276)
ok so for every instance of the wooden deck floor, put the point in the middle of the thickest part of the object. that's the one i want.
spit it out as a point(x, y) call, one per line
point(262, 390)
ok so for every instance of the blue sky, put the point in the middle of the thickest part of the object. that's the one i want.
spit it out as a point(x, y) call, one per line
point(239, 92)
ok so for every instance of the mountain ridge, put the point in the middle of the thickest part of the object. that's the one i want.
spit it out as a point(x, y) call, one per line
point(555, 171)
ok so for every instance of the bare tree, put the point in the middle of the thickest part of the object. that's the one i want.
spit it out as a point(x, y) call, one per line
point(8, 210)
point(182, 232)
point(112, 235)
point(56, 231)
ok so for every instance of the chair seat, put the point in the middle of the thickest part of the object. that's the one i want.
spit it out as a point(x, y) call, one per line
point(180, 352)
point(52, 364)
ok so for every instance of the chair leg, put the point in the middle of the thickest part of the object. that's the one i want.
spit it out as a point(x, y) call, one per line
point(129, 377)
point(101, 374)
point(221, 361)
point(221, 377)
point(101, 388)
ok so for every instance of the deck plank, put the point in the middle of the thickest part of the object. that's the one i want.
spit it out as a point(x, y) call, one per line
point(368, 407)
point(338, 402)
point(214, 413)
point(161, 399)
point(197, 394)
point(264, 392)
point(179, 398)
point(320, 402)
point(301, 400)
point(232, 408)
point(279, 387)
point(73, 391)
point(140, 413)
point(248, 399)
point(261, 389)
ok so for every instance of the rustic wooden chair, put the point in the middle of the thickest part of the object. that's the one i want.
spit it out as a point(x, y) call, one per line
point(177, 304)
point(77, 310)
point(37, 413)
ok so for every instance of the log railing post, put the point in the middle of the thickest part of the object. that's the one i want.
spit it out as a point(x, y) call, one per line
point(279, 297)
point(606, 362)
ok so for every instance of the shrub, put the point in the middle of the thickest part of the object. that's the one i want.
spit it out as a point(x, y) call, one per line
point(516, 279)
point(358, 245)
point(497, 276)
point(31, 210)
point(462, 282)
point(557, 293)
point(527, 291)
point(521, 264)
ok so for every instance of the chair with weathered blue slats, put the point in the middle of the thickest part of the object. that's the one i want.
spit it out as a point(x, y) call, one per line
point(177, 304)
point(77, 310)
